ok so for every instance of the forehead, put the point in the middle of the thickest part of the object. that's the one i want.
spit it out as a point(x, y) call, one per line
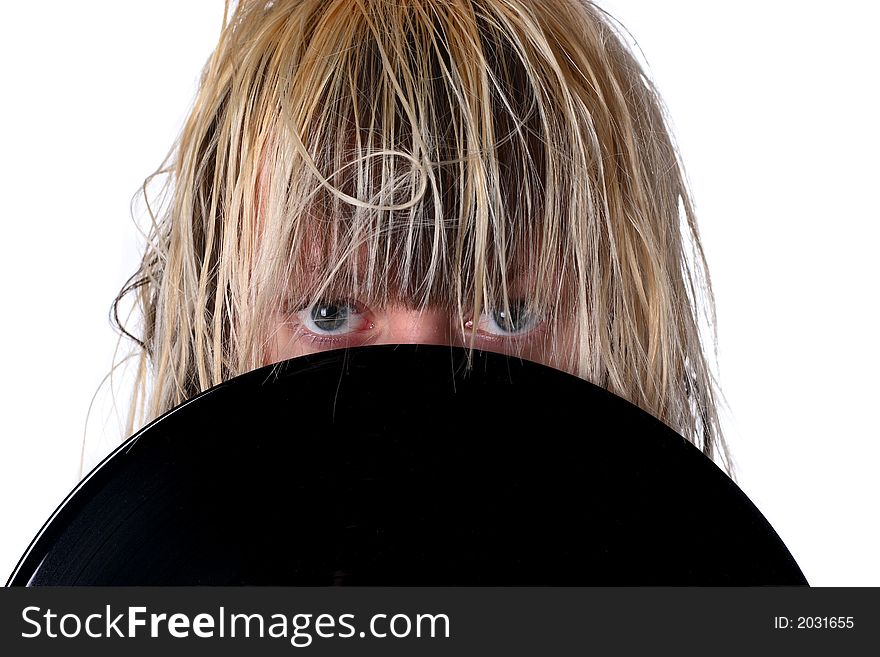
point(399, 268)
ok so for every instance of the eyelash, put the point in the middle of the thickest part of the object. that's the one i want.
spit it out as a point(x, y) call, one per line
point(534, 323)
point(304, 316)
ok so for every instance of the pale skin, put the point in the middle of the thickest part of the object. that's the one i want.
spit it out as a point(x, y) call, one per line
point(337, 321)
point(334, 324)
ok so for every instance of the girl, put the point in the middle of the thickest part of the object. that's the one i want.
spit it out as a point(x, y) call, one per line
point(492, 174)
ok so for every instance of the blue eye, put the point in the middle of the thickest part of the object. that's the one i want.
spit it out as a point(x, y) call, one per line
point(331, 317)
point(515, 319)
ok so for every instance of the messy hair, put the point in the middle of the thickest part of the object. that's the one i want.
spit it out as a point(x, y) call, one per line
point(422, 152)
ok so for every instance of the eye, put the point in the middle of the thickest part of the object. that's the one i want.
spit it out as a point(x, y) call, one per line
point(513, 320)
point(329, 317)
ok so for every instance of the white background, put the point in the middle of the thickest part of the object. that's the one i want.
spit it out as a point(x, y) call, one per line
point(775, 106)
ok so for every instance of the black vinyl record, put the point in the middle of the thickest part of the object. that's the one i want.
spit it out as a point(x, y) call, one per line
point(398, 465)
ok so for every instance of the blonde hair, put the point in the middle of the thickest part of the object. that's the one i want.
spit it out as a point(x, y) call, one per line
point(422, 151)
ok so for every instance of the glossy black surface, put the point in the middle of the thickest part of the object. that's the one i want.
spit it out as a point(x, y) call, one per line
point(393, 466)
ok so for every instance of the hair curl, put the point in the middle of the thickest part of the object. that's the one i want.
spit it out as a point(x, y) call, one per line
point(422, 151)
